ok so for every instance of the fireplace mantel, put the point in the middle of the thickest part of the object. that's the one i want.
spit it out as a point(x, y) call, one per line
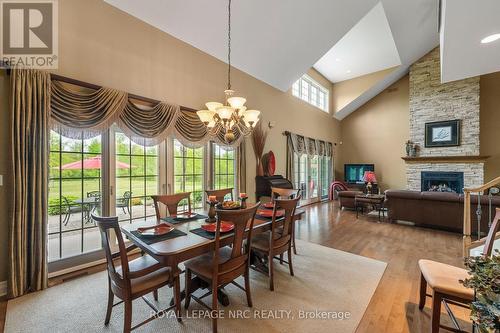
point(446, 159)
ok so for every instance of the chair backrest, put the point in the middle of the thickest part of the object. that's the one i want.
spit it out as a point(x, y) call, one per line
point(220, 194)
point(286, 193)
point(65, 202)
point(242, 219)
point(106, 224)
point(490, 239)
point(171, 201)
point(94, 194)
point(281, 238)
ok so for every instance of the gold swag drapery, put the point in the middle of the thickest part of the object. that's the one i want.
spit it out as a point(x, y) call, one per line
point(30, 113)
point(85, 113)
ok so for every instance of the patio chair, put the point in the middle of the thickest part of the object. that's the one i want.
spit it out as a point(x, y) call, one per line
point(93, 206)
point(124, 202)
point(69, 209)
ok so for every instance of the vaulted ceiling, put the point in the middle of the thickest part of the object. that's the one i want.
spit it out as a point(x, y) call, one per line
point(278, 41)
point(464, 24)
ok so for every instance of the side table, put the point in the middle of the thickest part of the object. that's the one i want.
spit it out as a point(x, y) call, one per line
point(374, 200)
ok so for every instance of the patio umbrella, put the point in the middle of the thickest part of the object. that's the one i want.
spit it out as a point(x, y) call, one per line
point(92, 163)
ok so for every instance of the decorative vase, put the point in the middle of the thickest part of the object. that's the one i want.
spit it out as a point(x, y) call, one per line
point(408, 147)
point(414, 150)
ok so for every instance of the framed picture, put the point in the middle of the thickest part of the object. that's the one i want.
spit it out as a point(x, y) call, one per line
point(442, 133)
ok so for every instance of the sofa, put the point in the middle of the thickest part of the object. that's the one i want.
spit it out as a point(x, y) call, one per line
point(440, 210)
point(347, 199)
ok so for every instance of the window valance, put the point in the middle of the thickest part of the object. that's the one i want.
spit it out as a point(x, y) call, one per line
point(86, 113)
point(305, 145)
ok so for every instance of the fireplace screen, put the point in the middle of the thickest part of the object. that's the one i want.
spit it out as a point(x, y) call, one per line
point(437, 181)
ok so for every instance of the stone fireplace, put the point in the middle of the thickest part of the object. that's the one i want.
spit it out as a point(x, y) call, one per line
point(432, 101)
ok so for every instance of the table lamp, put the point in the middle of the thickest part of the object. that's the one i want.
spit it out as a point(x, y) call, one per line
point(369, 177)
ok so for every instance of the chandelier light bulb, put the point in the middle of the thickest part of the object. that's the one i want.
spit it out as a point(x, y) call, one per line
point(251, 117)
point(236, 102)
point(206, 116)
point(225, 112)
point(212, 106)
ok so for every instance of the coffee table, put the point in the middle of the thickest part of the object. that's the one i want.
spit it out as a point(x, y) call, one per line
point(374, 200)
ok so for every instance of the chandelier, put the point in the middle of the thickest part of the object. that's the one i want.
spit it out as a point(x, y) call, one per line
point(224, 119)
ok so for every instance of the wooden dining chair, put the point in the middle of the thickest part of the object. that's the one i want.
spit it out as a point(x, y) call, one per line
point(220, 194)
point(444, 280)
point(133, 279)
point(277, 241)
point(224, 265)
point(285, 193)
point(171, 201)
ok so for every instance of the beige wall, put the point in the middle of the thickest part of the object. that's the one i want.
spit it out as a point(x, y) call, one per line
point(102, 45)
point(376, 133)
point(345, 92)
point(490, 124)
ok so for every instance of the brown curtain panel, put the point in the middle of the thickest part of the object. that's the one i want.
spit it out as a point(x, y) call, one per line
point(30, 113)
point(289, 158)
point(241, 165)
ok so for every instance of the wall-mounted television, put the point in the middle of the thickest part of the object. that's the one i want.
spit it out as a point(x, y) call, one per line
point(353, 173)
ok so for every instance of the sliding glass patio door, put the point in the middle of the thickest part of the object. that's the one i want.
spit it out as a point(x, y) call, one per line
point(312, 175)
point(75, 187)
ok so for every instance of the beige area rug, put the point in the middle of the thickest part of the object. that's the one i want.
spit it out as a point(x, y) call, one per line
point(333, 288)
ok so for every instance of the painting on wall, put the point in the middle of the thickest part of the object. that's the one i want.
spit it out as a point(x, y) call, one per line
point(442, 133)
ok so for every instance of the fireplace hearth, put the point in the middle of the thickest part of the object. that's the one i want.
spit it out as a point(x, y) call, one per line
point(437, 181)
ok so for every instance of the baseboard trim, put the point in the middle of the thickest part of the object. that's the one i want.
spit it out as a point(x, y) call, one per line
point(3, 288)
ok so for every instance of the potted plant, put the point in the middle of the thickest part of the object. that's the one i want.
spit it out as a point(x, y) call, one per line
point(485, 280)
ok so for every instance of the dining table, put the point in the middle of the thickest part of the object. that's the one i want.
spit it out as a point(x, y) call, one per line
point(173, 251)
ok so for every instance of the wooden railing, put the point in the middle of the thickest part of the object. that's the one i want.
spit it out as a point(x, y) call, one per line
point(467, 239)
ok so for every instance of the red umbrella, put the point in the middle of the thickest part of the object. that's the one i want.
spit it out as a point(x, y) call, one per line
point(91, 163)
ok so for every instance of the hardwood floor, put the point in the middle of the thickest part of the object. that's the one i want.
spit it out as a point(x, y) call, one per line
point(393, 307)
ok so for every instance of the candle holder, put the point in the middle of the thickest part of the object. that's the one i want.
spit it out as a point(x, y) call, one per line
point(243, 202)
point(211, 211)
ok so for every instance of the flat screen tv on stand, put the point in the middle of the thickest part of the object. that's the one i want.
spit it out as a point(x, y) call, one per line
point(353, 173)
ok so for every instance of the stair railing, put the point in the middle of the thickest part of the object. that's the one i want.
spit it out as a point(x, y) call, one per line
point(480, 190)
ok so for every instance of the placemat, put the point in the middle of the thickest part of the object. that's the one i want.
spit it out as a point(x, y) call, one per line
point(155, 239)
point(209, 235)
point(173, 220)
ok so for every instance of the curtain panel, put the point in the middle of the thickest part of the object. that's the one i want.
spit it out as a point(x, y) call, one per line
point(30, 113)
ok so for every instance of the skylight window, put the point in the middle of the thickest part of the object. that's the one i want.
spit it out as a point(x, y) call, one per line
point(311, 92)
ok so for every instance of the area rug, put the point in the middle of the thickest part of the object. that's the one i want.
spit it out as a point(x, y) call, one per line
point(329, 293)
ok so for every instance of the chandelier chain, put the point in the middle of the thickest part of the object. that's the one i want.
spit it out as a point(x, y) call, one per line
point(229, 46)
